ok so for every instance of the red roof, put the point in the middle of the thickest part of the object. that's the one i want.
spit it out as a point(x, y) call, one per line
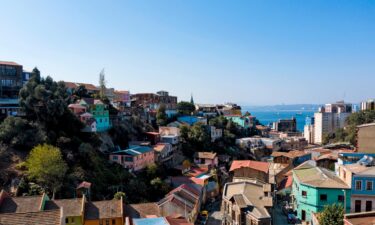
point(261, 166)
point(84, 184)
point(9, 63)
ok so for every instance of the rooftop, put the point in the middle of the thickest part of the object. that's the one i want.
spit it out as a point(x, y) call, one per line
point(256, 165)
point(21, 204)
point(291, 154)
point(247, 194)
point(51, 217)
point(318, 177)
point(134, 150)
point(151, 221)
point(71, 207)
point(103, 209)
point(205, 155)
point(9, 63)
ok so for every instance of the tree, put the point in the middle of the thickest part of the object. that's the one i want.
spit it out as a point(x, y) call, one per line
point(102, 84)
point(119, 195)
point(185, 108)
point(19, 133)
point(46, 165)
point(161, 116)
point(81, 92)
point(332, 215)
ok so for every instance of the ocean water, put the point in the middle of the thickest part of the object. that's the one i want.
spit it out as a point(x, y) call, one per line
point(267, 117)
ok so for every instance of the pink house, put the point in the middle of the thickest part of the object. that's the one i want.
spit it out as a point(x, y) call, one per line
point(135, 158)
point(77, 109)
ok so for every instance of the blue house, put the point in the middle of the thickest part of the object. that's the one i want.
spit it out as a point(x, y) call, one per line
point(361, 179)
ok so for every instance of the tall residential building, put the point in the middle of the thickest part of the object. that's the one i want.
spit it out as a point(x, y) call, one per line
point(308, 130)
point(329, 118)
point(12, 78)
point(368, 105)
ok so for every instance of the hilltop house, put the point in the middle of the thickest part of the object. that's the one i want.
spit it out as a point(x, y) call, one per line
point(242, 121)
point(315, 187)
point(134, 158)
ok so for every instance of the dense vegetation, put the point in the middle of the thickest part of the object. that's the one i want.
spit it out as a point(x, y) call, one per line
point(75, 155)
point(332, 215)
point(348, 134)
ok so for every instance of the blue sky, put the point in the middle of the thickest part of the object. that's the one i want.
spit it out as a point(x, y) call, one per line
point(250, 52)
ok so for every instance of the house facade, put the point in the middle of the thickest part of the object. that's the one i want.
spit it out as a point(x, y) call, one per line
point(250, 170)
point(361, 179)
point(134, 158)
point(315, 187)
point(209, 159)
point(242, 121)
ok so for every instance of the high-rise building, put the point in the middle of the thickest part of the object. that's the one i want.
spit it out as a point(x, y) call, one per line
point(12, 78)
point(368, 105)
point(329, 118)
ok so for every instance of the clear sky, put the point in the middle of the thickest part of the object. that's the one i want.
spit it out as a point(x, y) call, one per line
point(251, 52)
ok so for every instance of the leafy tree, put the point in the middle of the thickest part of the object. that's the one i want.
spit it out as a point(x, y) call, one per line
point(119, 195)
point(19, 133)
point(46, 165)
point(185, 108)
point(332, 215)
point(81, 92)
point(120, 135)
point(219, 122)
point(161, 116)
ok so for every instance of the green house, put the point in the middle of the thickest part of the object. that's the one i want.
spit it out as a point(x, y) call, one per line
point(99, 112)
point(314, 187)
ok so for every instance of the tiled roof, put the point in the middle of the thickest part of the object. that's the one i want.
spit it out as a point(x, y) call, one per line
point(177, 221)
point(159, 147)
point(205, 155)
point(291, 154)
point(142, 210)
point(71, 207)
point(51, 217)
point(103, 209)
point(21, 204)
point(256, 165)
point(9, 63)
point(314, 176)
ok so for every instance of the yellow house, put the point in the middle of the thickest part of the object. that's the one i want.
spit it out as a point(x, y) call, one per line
point(109, 212)
point(72, 209)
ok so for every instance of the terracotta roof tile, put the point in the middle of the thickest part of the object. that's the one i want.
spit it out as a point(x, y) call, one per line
point(51, 217)
point(71, 207)
point(21, 204)
point(103, 209)
point(261, 166)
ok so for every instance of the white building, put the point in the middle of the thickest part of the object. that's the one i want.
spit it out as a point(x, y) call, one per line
point(216, 133)
point(330, 118)
point(308, 133)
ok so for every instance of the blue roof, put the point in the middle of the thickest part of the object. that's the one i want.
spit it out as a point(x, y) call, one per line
point(188, 119)
point(150, 221)
point(134, 150)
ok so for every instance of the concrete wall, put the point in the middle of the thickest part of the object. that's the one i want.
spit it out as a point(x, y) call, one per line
point(365, 138)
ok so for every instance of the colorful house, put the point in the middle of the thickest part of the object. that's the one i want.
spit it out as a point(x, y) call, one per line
point(315, 187)
point(135, 158)
point(361, 179)
point(72, 209)
point(92, 113)
point(242, 121)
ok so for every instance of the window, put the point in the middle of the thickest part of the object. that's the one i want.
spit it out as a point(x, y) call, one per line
point(304, 193)
point(358, 185)
point(323, 197)
point(368, 206)
point(344, 174)
point(113, 221)
point(66, 220)
point(115, 157)
point(106, 222)
point(369, 186)
point(340, 198)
